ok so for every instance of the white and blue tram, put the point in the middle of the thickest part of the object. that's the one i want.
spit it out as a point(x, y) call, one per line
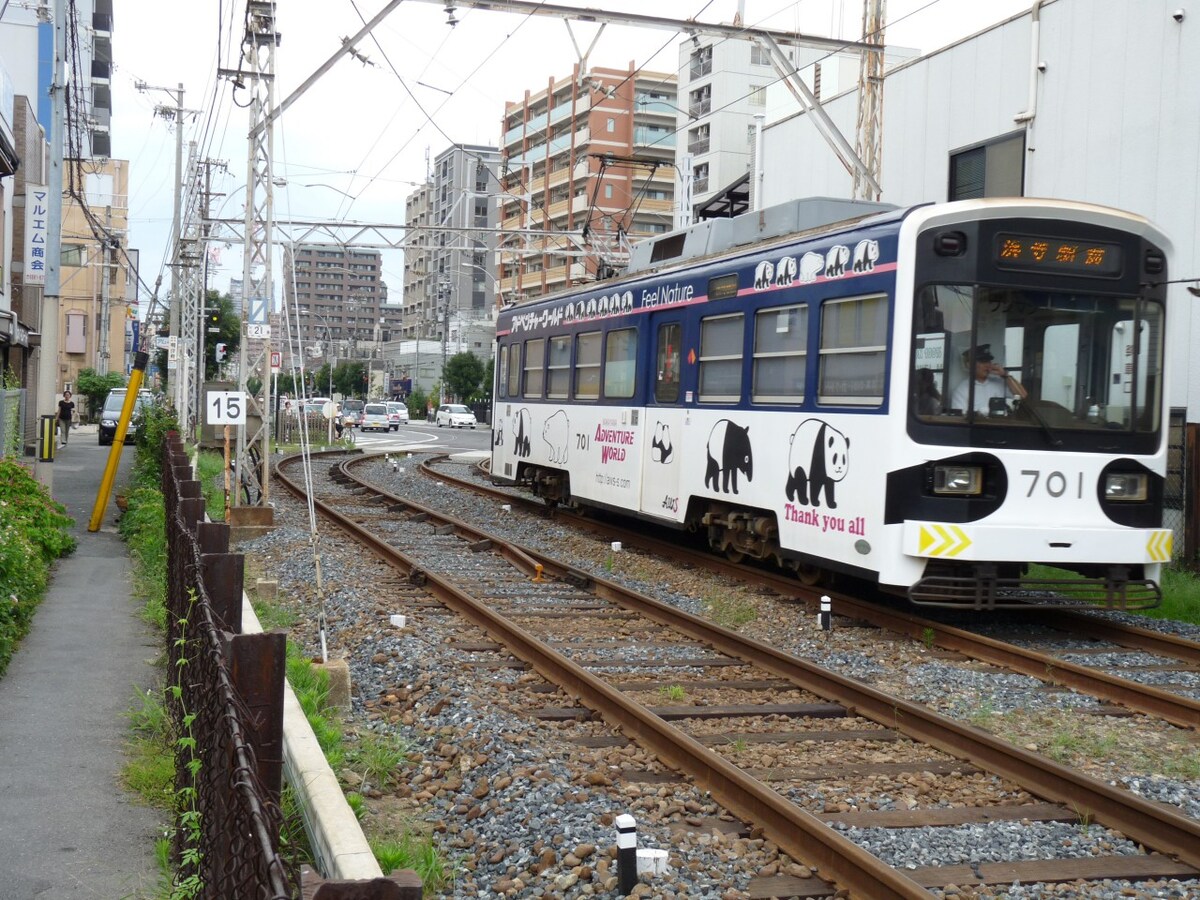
point(931, 398)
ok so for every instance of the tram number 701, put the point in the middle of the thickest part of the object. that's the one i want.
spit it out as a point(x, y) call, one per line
point(1056, 483)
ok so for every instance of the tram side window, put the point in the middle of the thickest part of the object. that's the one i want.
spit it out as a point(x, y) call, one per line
point(620, 363)
point(721, 358)
point(535, 353)
point(780, 344)
point(514, 370)
point(559, 367)
point(587, 366)
point(853, 351)
point(502, 375)
point(666, 385)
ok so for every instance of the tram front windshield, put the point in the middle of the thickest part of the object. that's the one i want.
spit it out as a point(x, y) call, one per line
point(1004, 357)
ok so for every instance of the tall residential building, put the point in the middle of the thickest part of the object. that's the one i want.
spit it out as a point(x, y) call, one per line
point(449, 269)
point(339, 294)
point(723, 85)
point(592, 152)
point(417, 241)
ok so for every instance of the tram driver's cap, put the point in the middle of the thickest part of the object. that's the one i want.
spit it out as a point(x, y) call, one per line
point(981, 353)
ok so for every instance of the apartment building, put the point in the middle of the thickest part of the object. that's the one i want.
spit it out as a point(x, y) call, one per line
point(592, 155)
point(339, 293)
point(449, 263)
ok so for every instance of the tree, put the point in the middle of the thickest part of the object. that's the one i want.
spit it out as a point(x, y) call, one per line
point(350, 379)
point(489, 379)
point(463, 375)
point(95, 387)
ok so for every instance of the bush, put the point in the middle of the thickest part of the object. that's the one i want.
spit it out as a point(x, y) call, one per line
point(33, 533)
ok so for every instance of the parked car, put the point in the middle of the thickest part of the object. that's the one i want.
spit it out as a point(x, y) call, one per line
point(111, 414)
point(314, 405)
point(455, 415)
point(375, 418)
point(352, 412)
point(397, 415)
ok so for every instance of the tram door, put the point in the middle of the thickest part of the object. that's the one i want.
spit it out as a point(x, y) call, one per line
point(663, 427)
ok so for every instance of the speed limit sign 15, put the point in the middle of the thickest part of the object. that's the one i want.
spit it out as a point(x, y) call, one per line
point(226, 407)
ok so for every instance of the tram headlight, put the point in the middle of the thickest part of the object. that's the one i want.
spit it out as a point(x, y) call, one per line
point(961, 480)
point(1125, 486)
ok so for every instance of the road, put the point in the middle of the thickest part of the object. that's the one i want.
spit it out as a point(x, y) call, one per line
point(420, 436)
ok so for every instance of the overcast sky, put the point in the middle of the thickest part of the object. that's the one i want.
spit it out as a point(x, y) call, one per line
point(359, 131)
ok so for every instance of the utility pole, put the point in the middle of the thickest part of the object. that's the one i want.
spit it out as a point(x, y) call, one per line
point(47, 376)
point(444, 298)
point(105, 310)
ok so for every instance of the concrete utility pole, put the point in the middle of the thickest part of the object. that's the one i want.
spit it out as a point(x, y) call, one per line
point(107, 263)
point(174, 113)
point(47, 372)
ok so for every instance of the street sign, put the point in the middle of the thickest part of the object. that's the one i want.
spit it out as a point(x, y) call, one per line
point(329, 409)
point(276, 361)
point(226, 407)
point(259, 332)
point(162, 343)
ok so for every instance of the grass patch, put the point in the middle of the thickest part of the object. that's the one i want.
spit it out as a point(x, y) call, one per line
point(272, 616)
point(1181, 593)
point(416, 851)
point(673, 692)
point(210, 472)
point(377, 757)
point(729, 611)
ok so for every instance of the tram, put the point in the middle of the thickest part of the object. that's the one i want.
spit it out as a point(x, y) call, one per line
point(932, 398)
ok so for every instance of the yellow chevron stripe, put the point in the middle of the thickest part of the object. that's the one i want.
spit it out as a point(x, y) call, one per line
point(942, 540)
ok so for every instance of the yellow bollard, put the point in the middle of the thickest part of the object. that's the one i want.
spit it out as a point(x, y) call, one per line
point(114, 453)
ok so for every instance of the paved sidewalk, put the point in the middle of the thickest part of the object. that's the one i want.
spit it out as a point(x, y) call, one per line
point(67, 827)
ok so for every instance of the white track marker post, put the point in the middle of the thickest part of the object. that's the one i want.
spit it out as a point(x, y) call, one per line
point(627, 875)
point(825, 618)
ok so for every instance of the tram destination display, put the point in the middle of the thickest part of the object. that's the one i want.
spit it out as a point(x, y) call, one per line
point(1067, 257)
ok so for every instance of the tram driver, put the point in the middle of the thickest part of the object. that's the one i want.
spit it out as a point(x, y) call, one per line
point(992, 382)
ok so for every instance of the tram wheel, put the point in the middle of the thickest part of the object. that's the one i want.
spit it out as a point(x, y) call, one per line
point(810, 575)
point(734, 555)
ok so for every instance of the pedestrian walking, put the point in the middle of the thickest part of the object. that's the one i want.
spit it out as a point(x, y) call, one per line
point(66, 414)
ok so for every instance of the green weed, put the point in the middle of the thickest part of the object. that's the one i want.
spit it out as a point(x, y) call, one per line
point(377, 757)
point(730, 612)
point(672, 692)
point(413, 851)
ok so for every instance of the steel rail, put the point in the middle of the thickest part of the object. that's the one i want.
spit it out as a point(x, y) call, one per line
point(1154, 701)
point(798, 833)
point(1153, 824)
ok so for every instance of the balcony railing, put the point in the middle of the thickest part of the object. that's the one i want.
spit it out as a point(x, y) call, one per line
point(700, 146)
point(699, 68)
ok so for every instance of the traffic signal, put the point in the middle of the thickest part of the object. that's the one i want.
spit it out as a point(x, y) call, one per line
point(214, 318)
point(221, 352)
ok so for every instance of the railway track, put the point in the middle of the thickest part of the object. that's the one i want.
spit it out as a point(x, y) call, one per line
point(576, 628)
point(1055, 655)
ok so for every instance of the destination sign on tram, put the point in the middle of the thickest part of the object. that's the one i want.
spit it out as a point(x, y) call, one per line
point(1066, 257)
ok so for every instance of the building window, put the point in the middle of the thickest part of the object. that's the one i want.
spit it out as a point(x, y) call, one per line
point(700, 101)
point(993, 169)
point(853, 351)
point(759, 56)
point(758, 95)
point(611, 124)
point(76, 333)
point(73, 255)
point(780, 344)
point(608, 192)
point(721, 359)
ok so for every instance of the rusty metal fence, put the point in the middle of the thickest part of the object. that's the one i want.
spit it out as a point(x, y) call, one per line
point(226, 702)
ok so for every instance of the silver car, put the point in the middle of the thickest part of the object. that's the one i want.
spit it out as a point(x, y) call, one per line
point(375, 418)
